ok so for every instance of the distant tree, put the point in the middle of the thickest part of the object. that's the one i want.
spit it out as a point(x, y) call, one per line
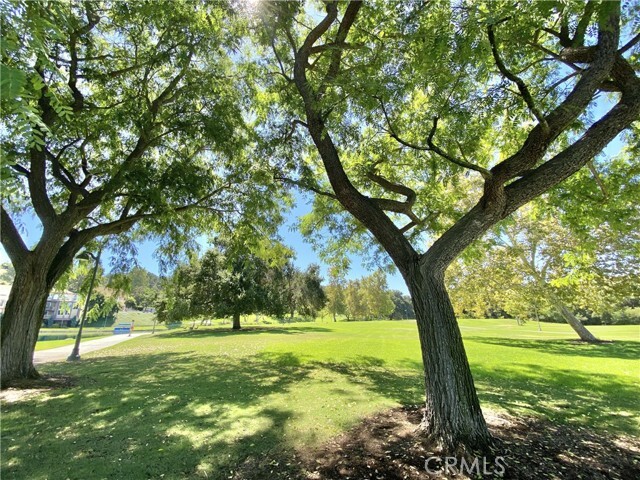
point(7, 272)
point(535, 266)
point(402, 306)
point(311, 296)
point(173, 304)
point(130, 303)
point(334, 293)
point(102, 310)
point(539, 248)
point(142, 286)
point(355, 307)
point(230, 284)
point(376, 297)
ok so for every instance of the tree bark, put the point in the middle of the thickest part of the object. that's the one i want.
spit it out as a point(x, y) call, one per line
point(453, 417)
point(584, 334)
point(236, 321)
point(21, 323)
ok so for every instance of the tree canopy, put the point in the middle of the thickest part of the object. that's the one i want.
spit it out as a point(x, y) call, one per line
point(429, 123)
point(120, 117)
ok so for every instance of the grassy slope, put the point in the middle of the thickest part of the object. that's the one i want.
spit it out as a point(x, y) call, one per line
point(196, 404)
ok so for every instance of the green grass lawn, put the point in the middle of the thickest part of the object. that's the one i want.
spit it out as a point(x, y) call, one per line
point(191, 404)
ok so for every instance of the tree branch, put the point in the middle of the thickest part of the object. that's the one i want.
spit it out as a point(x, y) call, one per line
point(394, 187)
point(431, 146)
point(583, 24)
point(11, 239)
point(630, 44)
point(20, 169)
point(538, 141)
point(92, 21)
point(522, 87)
point(362, 208)
point(598, 179)
point(336, 55)
point(305, 186)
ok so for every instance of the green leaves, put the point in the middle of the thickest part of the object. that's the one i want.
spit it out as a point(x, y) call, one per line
point(12, 82)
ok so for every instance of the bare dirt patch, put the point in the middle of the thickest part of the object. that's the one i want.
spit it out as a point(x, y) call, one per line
point(389, 447)
point(25, 389)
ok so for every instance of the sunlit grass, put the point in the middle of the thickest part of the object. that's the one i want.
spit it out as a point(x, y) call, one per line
point(202, 403)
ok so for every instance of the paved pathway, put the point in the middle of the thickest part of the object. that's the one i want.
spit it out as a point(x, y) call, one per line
point(61, 353)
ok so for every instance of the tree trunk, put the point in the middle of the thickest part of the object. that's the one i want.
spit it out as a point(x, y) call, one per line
point(584, 334)
point(453, 417)
point(21, 323)
point(236, 321)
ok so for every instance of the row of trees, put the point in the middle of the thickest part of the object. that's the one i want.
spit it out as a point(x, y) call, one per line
point(367, 298)
point(547, 263)
point(231, 281)
point(414, 124)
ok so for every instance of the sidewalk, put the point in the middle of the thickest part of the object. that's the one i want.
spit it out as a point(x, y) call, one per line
point(61, 353)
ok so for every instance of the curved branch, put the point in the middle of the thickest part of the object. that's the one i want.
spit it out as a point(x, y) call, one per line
point(431, 146)
point(362, 208)
point(538, 141)
point(11, 239)
point(522, 87)
point(394, 187)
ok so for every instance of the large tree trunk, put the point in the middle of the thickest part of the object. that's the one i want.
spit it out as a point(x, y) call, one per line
point(21, 323)
point(453, 417)
point(236, 321)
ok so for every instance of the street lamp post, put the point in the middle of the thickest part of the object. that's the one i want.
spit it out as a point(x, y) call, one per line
point(75, 354)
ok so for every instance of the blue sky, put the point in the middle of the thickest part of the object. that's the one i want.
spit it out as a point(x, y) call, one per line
point(305, 255)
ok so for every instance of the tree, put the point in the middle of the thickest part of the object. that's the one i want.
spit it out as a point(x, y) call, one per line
point(174, 303)
point(334, 293)
point(102, 310)
point(513, 89)
point(310, 295)
point(540, 247)
point(118, 117)
point(376, 296)
point(575, 249)
point(402, 307)
point(142, 285)
point(354, 305)
point(230, 282)
point(7, 273)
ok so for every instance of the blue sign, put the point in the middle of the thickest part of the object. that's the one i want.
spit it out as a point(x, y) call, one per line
point(122, 328)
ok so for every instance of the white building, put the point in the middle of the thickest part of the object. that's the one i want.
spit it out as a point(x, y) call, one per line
point(62, 309)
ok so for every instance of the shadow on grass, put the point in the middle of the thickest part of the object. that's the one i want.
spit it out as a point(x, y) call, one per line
point(618, 349)
point(405, 386)
point(176, 417)
point(218, 332)
point(182, 415)
point(599, 401)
